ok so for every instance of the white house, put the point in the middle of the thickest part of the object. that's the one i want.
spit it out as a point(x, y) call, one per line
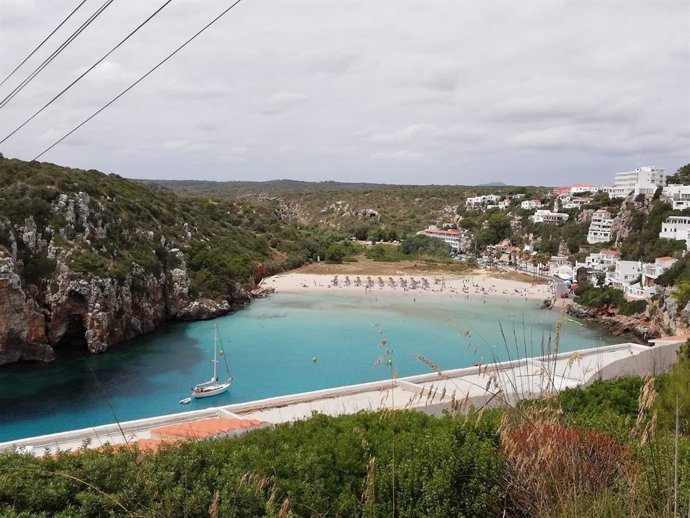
point(675, 227)
point(451, 236)
point(678, 196)
point(602, 260)
point(652, 271)
point(478, 201)
point(624, 273)
point(600, 227)
point(530, 204)
point(643, 180)
point(546, 216)
point(576, 203)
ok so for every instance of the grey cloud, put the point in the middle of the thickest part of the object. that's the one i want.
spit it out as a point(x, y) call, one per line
point(280, 102)
point(354, 90)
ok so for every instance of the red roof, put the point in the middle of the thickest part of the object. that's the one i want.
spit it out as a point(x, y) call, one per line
point(584, 185)
point(666, 258)
point(204, 428)
point(606, 251)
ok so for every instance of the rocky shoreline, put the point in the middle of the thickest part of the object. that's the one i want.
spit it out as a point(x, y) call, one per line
point(641, 327)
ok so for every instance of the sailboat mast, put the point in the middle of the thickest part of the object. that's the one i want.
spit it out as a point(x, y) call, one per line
point(215, 352)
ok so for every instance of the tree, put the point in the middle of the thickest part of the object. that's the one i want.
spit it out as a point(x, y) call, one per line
point(335, 253)
point(682, 176)
point(682, 293)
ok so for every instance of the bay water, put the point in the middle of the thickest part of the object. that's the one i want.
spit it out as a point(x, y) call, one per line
point(284, 344)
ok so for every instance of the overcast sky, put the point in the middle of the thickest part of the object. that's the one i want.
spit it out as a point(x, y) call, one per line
point(434, 91)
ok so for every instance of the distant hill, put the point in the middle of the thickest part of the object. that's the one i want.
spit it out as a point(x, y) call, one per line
point(493, 184)
point(390, 211)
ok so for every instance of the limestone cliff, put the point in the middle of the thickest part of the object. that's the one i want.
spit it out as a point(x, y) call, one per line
point(89, 260)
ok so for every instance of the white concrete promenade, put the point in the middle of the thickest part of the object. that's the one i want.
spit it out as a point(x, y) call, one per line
point(481, 385)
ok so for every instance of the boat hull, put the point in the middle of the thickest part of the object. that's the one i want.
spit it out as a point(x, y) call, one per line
point(211, 391)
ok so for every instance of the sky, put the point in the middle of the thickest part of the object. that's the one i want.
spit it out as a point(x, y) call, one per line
point(543, 92)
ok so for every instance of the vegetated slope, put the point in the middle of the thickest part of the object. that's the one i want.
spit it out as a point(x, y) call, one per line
point(593, 452)
point(367, 211)
point(92, 259)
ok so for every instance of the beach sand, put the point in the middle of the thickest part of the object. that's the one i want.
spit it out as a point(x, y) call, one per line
point(476, 284)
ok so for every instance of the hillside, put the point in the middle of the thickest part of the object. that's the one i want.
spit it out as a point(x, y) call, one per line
point(368, 211)
point(93, 259)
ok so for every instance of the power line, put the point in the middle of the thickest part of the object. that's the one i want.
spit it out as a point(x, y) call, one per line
point(41, 44)
point(87, 71)
point(137, 81)
point(55, 53)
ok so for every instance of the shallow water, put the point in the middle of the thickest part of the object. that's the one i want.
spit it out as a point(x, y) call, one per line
point(271, 347)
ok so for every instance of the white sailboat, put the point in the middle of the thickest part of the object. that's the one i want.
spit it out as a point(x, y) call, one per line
point(213, 386)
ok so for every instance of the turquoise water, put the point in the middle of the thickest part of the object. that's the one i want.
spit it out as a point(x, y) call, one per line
point(271, 346)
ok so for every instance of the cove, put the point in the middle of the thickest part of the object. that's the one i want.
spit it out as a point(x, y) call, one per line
point(284, 344)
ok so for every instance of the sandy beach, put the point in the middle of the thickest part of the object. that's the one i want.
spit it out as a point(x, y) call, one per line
point(471, 285)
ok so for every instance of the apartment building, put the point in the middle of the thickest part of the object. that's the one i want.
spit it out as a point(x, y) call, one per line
point(675, 227)
point(600, 227)
point(643, 180)
point(451, 236)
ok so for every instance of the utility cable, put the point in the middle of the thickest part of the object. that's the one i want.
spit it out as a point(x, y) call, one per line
point(137, 81)
point(55, 53)
point(87, 71)
point(41, 44)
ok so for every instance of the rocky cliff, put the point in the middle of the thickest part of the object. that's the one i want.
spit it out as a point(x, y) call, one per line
point(662, 317)
point(89, 260)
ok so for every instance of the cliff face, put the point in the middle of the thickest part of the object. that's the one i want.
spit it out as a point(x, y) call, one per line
point(91, 270)
point(662, 317)
point(71, 308)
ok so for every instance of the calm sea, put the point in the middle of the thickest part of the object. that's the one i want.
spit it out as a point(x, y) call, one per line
point(285, 344)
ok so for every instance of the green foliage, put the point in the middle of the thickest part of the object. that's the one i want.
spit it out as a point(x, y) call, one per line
point(335, 253)
point(592, 297)
point(349, 465)
point(679, 272)
point(644, 242)
point(496, 228)
point(676, 384)
point(384, 253)
point(681, 292)
point(425, 245)
point(441, 467)
point(682, 176)
point(632, 307)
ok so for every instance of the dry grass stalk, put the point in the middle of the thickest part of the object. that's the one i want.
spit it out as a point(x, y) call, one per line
point(551, 465)
point(213, 508)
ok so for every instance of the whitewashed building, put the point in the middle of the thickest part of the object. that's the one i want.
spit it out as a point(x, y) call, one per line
point(476, 202)
point(624, 274)
point(643, 180)
point(675, 227)
point(451, 236)
point(652, 271)
point(576, 202)
point(603, 260)
point(678, 196)
point(546, 216)
point(600, 227)
point(530, 204)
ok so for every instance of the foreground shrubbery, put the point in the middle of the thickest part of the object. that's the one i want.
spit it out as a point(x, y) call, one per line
point(603, 451)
